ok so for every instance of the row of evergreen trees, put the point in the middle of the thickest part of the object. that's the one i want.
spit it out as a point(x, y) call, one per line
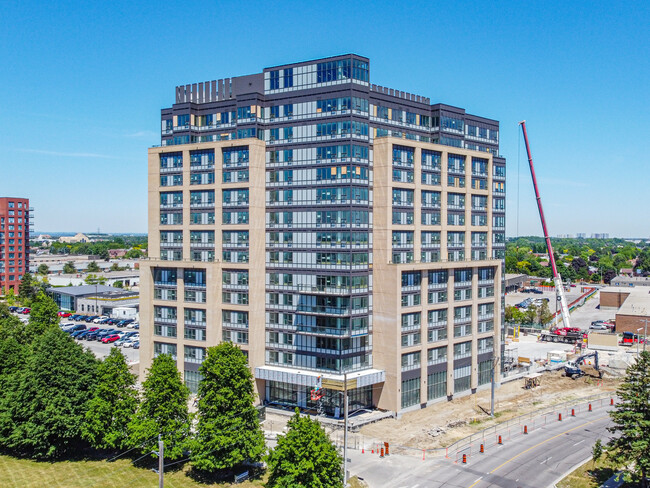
point(58, 401)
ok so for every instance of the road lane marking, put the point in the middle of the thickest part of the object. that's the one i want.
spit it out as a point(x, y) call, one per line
point(477, 481)
point(579, 442)
point(547, 459)
point(547, 440)
point(537, 445)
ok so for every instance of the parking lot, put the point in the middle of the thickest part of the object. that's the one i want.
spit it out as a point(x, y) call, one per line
point(98, 348)
point(581, 317)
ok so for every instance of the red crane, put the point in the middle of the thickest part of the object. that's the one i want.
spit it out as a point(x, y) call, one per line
point(557, 279)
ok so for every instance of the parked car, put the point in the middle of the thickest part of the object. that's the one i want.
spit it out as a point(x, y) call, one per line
point(595, 326)
point(90, 318)
point(536, 291)
point(91, 336)
point(112, 321)
point(110, 338)
point(136, 345)
point(133, 325)
point(98, 320)
point(13, 309)
point(106, 333)
point(64, 314)
point(67, 325)
point(26, 310)
point(75, 328)
point(76, 333)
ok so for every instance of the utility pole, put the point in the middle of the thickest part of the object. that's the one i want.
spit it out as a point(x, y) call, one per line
point(495, 362)
point(161, 462)
point(345, 431)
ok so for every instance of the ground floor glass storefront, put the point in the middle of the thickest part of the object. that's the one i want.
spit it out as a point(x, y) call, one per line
point(291, 396)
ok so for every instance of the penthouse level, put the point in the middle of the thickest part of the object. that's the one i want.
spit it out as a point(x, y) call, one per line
point(293, 96)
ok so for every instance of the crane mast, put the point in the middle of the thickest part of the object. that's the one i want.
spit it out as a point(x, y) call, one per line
point(557, 279)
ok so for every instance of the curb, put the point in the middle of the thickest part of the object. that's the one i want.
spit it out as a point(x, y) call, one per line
point(573, 468)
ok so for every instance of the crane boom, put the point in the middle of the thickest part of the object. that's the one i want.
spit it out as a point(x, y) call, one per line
point(557, 279)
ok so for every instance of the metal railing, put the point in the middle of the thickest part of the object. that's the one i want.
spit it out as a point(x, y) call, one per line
point(507, 429)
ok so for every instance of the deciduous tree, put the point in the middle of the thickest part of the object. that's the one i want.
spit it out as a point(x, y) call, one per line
point(44, 315)
point(304, 457)
point(163, 410)
point(228, 430)
point(113, 405)
point(68, 268)
point(42, 408)
point(28, 288)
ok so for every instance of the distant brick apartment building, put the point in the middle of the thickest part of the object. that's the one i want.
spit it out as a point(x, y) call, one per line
point(15, 221)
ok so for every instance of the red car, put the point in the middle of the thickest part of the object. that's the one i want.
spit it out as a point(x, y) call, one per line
point(64, 314)
point(93, 329)
point(26, 311)
point(110, 338)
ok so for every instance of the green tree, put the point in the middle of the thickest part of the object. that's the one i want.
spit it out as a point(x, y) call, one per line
point(545, 315)
point(133, 254)
point(44, 315)
point(93, 279)
point(68, 268)
point(92, 267)
point(27, 289)
point(163, 410)
point(304, 457)
point(43, 407)
point(631, 417)
point(228, 430)
point(43, 269)
point(597, 452)
point(10, 296)
point(114, 403)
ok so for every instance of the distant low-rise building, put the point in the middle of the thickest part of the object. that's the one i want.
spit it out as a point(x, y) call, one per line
point(632, 307)
point(74, 239)
point(629, 280)
point(93, 299)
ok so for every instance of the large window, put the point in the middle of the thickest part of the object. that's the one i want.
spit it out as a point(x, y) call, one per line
point(437, 385)
point(410, 392)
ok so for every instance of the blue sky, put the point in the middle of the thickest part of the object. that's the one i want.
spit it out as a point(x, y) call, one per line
point(82, 85)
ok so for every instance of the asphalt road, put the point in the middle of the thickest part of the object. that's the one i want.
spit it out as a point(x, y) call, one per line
point(536, 460)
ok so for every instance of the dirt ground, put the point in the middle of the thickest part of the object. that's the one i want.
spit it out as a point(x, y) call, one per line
point(414, 429)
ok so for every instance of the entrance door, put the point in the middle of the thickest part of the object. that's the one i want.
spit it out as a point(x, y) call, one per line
point(302, 398)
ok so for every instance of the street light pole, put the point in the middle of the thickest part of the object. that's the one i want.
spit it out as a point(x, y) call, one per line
point(637, 341)
point(345, 431)
point(495, 362)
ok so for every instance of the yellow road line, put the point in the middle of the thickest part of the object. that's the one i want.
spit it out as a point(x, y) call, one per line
point(537, 445)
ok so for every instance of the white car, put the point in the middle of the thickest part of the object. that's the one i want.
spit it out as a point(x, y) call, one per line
point(98, 319)
point(132, 325)
point(128, 343)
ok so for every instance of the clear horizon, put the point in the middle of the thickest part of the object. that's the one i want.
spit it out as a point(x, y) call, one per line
point(83, 86)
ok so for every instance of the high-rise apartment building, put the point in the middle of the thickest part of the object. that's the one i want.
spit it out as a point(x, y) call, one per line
point(14, 241)
point(333, 229)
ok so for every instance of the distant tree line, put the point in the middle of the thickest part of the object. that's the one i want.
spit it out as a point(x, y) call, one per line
point(136, 245)
point(574, 257)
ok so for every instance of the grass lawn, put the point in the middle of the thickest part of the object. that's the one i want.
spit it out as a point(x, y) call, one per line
point(23, 473)
point(588, 476)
